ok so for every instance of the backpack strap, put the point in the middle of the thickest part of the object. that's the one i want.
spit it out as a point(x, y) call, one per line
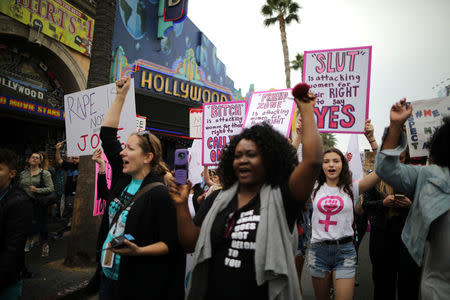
point(139, 194)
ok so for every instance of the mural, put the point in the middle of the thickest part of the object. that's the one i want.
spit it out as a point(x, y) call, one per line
point(184, 52)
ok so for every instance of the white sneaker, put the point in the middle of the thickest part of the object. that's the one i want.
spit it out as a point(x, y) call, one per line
point(27, 246)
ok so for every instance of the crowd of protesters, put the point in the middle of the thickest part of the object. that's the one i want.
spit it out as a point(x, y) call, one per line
point(251, 224)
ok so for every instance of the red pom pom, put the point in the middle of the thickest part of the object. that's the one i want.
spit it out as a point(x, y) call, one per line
point(301, 90)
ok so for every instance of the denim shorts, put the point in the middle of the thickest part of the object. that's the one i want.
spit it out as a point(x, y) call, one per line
point(328, 258)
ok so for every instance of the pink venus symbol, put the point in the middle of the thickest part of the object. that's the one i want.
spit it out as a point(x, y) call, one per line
point(329, 205)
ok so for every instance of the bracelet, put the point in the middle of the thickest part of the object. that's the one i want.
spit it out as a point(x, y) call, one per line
point(101, 172)
point(372, 141)
point(373, 149)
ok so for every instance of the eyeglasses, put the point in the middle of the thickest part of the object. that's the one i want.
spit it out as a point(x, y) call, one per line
point(146, 134)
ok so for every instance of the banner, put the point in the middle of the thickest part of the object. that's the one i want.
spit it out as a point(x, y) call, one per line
point(425, 118)
point(31, 107)
point(195, 123)
point(354, 158)
point(274, 107)
point(85, 112)
point(54, 18)
point(340, 78)
point(221, 121)
point(100, 203)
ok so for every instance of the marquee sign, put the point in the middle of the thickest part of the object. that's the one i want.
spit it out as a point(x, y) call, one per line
point(54, 18)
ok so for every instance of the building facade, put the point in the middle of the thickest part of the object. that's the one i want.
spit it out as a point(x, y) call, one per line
point(44, 54)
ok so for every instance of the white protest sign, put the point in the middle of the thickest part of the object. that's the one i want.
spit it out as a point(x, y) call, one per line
point(195, 162)
point(425, 118)
point(195, 123)
point(221, 121)
point(340, 79)
point(141, 123)
point(85, 111)
point(274, 107)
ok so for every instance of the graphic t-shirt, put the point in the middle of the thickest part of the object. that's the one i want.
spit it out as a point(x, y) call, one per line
point(233, 238)
point(118, 228)
point(332, 217)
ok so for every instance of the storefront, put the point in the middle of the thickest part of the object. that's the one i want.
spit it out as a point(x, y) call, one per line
point(174, 65)
point(42, 57)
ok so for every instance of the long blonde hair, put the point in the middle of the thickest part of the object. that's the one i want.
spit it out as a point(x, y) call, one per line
point(385, 189)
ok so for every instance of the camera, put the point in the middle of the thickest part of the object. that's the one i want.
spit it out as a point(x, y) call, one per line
point(181, 164)
point(117, 242)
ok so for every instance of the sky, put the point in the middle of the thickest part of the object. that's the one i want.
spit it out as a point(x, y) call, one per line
point(410, 40)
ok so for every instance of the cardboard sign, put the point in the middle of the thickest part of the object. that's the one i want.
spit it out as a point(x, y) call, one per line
point(340, 78)
point(85, 111)
point(274, 107)
point(426, 117)
point(221, 121)
point(100, 203)
point(195, 123)
point(141, 123)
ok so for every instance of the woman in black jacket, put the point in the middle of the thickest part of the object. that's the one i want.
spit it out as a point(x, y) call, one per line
point(152, 265)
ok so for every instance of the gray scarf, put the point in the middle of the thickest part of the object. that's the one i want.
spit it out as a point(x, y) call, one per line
point(274, 251)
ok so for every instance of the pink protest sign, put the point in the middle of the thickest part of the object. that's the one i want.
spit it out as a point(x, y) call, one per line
point(340, 78)
point(221, 121)
point(99, 203)
point(274, 107)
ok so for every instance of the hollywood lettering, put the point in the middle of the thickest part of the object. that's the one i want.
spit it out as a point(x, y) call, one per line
point(22, 89)
point(178, 88)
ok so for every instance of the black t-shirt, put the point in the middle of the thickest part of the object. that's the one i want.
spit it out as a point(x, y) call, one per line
point(233, 238)
point(71, 178)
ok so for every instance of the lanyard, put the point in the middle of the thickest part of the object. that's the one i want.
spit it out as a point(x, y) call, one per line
point(5, 192)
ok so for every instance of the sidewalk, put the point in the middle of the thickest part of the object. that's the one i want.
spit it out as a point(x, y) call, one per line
point(51, 279)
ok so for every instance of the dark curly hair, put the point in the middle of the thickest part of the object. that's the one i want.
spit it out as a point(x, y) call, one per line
point(279, 157)
point(345, 178)
point(440, 144)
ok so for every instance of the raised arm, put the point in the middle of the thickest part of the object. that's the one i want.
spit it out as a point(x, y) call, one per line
point(113, 115)
point(305, 174)
point(401, 177)
point(297, 136)
point(58, 157)
point(370, 180)
point(398, 115)
point(208, 180)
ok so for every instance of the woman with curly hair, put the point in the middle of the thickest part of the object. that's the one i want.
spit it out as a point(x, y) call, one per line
point(244, 235)
point(332, 250)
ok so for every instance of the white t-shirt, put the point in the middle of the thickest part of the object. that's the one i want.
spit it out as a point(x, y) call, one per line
point(332, 217)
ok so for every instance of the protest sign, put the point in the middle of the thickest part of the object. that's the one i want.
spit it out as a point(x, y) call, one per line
point(195, 162)
point(221, 121)
point(141, 123)
point(85, 111)
point(195, 123)
point(274, 107)
point(340, 79)
point(425, 118)
point(100, 203)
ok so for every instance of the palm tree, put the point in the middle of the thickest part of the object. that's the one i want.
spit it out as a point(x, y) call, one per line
point(328, 140)
point(82, 244)
point(283, 12)
point(297, 63)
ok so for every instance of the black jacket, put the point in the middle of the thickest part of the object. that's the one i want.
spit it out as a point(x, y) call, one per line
point(151, 219)
point(378, 214)
point(15, 220)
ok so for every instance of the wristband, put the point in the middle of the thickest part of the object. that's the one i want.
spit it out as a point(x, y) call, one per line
point(373, 149)
point(372, 141)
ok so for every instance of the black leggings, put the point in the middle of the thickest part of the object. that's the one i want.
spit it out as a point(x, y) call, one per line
point(392, 266)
